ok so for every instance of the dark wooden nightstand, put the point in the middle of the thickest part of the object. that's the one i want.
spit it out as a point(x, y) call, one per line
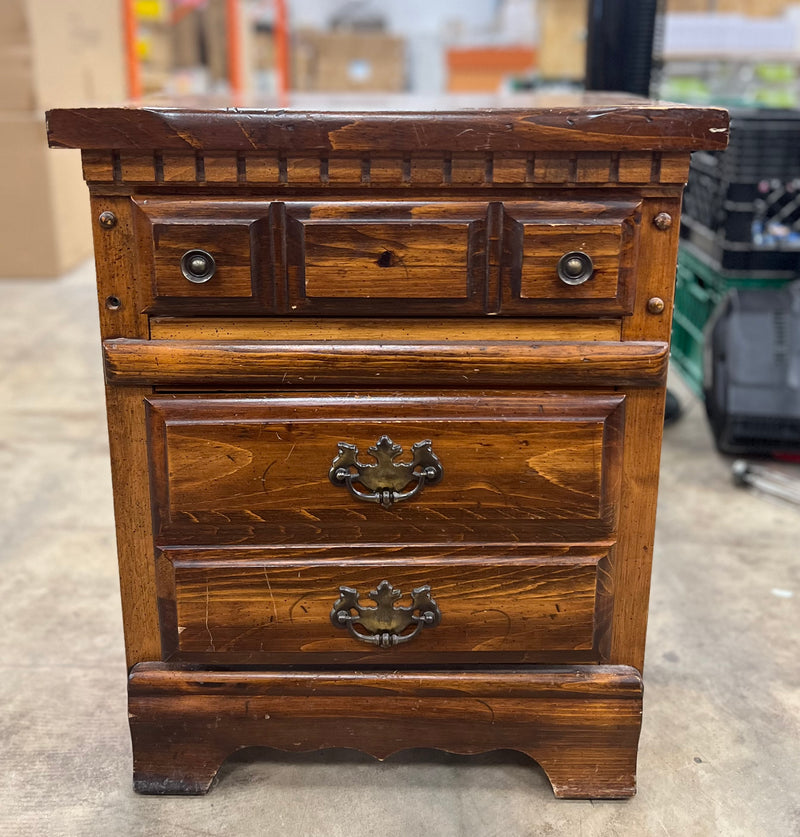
point(385, 396)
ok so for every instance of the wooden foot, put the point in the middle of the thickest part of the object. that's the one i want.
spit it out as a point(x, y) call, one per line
point(169, 767)
point(582, 773)
point(580, 723)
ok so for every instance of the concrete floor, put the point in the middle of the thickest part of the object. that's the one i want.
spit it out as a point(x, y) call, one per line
point(721, 737)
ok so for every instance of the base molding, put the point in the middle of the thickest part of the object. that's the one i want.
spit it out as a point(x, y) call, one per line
point(580, 723)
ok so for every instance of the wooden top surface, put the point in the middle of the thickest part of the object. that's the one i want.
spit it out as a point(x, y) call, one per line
point(567, 122)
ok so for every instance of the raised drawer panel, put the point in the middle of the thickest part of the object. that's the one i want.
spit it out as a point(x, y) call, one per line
point(343, 257)
point(514, 468)
point(390, 258)
point(254, 605)
point(233, 233)
point(537, 234)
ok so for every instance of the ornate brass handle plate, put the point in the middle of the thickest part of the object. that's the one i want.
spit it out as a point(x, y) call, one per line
point(385, 480)
point(385, 623)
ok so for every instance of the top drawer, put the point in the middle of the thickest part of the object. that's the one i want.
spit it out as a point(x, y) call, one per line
point(408, 467)
point(388, 258)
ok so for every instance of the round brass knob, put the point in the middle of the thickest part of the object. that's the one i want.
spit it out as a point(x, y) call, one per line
point(198, 266)
point(575, 268)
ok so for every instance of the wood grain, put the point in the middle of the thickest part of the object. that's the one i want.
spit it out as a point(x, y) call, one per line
point(255, 469)
point(640, 126)
point(538, 233)
point(341, 255)
point(119, 298)
point(397, 271)
point(263, 606)
point(580, 723)
point(445, 170)
point(392, 261)
point(392, 330)
point(373, 364)
point(643, 443)
point(234, 233)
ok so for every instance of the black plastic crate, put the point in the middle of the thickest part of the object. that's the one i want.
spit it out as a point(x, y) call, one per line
point(763, 145)
point(751, 388)
point(698, 291)
point(768, 260)
point(742, 205)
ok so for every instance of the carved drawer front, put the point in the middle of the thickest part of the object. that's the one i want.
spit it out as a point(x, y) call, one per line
point(344, 257)
point(407, 468)
point(205, 256)
point(384, 605)
point(563, 257)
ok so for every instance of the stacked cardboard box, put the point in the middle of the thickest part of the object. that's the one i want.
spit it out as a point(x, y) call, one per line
point(754, 8)
point(485, 69)
point(51, 54)
point(153, 43)
point(562, 38)
point(340, 61)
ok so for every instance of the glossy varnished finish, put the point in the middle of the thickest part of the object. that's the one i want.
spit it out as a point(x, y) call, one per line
point(596, 123)
point(237, 236)
point(340, 257)
point(538, 233)
point(505, 604)
point(435, 258)
point(395, 330)
point(387, 279)
point(525, 468)
point(581, 724)
point(312, 365)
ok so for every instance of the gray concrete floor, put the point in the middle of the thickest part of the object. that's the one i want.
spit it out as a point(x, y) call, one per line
point(720, 743)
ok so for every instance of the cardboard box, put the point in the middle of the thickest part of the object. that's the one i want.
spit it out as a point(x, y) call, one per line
point(13, 23)
point(682, 6)
point(753, 8)
point(343, 61)
point(215, 28)
point(485, 69)
point(187, 37)
point(154, 46)
point(562, 38)
point(45, 227)
point(65, 53)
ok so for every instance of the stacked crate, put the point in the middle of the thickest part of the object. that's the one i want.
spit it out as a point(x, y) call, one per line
point(740, 226)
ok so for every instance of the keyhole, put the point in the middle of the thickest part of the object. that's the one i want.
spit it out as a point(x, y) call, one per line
point(385, 259)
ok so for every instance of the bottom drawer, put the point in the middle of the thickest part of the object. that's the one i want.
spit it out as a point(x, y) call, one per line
point(324, 606)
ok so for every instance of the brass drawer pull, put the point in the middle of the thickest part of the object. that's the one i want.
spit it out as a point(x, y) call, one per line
point(386, 479)
point(385, 623)
point(198, 266)
point(575, 268)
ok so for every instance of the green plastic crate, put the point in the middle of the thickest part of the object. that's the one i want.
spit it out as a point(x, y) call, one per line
point(698, 290)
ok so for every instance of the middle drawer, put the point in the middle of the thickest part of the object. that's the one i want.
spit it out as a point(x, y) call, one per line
point(408, 468)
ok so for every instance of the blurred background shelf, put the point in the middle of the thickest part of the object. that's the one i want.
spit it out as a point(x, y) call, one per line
point(83, 52)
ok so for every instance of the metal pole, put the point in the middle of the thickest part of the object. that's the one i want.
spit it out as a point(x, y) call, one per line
point(234, 40)
point(134, 71)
